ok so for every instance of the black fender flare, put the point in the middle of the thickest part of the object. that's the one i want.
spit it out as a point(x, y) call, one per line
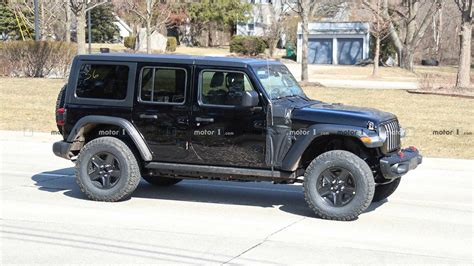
point(293, 156)
point(136, 137)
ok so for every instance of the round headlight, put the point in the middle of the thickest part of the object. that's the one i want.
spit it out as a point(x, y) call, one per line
point(382, 133)
point(402, 132)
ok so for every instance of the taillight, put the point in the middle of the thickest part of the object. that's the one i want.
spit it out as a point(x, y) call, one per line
point(60, 116)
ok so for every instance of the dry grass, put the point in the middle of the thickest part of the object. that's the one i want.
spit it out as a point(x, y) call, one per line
point(216, 51)
point(419, 114)
point(118, 47)
point(29, 104)
point(114, 47)
point(385, 73)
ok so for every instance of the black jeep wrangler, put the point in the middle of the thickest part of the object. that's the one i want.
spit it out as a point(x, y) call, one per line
point(167, 117)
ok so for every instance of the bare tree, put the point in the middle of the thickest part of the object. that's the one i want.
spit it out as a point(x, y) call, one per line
point(66, 10)
point(273, 28)
point(380, 26)
point(438, 29)
point(463, 77)
point(79, 8)
point(153, 14)
point(413, 27)
point(48, 15)
point(306, 10)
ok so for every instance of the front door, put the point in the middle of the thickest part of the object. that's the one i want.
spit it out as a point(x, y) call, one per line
point(162, 110)
point(222, 132)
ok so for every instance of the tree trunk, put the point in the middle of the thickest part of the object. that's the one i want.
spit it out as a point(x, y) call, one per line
point(43, 22)
point(148, 37)
point(81, 31)
point(271, 48)
point(407, 58)
point(67, 24)
point(463, 77)
point(304, 47)
point(414, 32)
point(209, 34)
point(375, 71)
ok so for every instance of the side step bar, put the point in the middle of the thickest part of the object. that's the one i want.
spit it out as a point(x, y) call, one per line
point(225, 172)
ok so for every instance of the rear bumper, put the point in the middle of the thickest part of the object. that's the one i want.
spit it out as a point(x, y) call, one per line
point(400, 163)
point(62, 149)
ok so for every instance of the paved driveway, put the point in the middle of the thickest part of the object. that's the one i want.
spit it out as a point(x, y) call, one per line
point(45, 219)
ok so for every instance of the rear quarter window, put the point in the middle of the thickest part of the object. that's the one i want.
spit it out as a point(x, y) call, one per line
point(98, 81)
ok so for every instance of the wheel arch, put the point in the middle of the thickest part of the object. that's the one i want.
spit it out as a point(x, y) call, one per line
point(87, 124)
point(317, 140)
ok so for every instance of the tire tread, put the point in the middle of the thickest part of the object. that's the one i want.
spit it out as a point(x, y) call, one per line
point(133, 180)
point(356, 161)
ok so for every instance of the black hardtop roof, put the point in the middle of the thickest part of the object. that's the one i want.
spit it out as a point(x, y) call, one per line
point(180, 59)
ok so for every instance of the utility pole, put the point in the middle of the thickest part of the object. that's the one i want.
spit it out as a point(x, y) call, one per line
point(37, 30)
point(89, 30)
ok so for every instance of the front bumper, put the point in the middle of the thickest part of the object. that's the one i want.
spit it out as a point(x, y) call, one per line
point(62, 149)
point(400, 163)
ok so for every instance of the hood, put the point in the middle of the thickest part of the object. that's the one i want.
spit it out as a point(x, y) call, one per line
point(328, 113)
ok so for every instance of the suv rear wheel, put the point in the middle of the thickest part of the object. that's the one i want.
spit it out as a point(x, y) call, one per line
point(107, 170)
point(338, 185)
point(161, 181)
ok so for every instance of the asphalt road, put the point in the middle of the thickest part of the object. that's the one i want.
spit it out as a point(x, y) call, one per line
point(45, 219)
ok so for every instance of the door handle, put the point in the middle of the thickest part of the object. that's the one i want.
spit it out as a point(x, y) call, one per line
point(182, 120)
point(146, 116)
point(259, 124)
point(205, 119)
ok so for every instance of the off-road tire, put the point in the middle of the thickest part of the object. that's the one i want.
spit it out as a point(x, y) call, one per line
point(384, 191)
point(161, 181)
point(130, 171)
point(363, 178)
point(61, 98)
point(60, 103)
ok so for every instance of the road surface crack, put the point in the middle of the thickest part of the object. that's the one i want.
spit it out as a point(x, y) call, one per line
point(263, 241)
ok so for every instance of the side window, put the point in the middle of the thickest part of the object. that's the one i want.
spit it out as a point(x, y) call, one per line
point(163, 85)
point(102, 81)
point(223, 88)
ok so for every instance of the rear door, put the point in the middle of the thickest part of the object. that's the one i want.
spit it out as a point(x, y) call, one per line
point(223, 133)
point(162, 110)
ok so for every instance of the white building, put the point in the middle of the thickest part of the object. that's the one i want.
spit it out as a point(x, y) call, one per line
point(124, 29)
point(343, 43)
point(261, 16)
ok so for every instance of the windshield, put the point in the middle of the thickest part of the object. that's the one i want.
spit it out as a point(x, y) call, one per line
point(278, 82)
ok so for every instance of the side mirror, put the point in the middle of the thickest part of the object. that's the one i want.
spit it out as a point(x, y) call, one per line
point(249, 99)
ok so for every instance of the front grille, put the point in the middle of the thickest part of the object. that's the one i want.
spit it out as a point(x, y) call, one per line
point(393, 136)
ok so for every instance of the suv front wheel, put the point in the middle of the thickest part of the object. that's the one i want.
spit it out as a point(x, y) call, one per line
point(338, 185)
point(107, 170)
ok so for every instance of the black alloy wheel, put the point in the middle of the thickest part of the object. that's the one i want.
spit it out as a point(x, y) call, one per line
point(336, 186)
point(104, 170)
